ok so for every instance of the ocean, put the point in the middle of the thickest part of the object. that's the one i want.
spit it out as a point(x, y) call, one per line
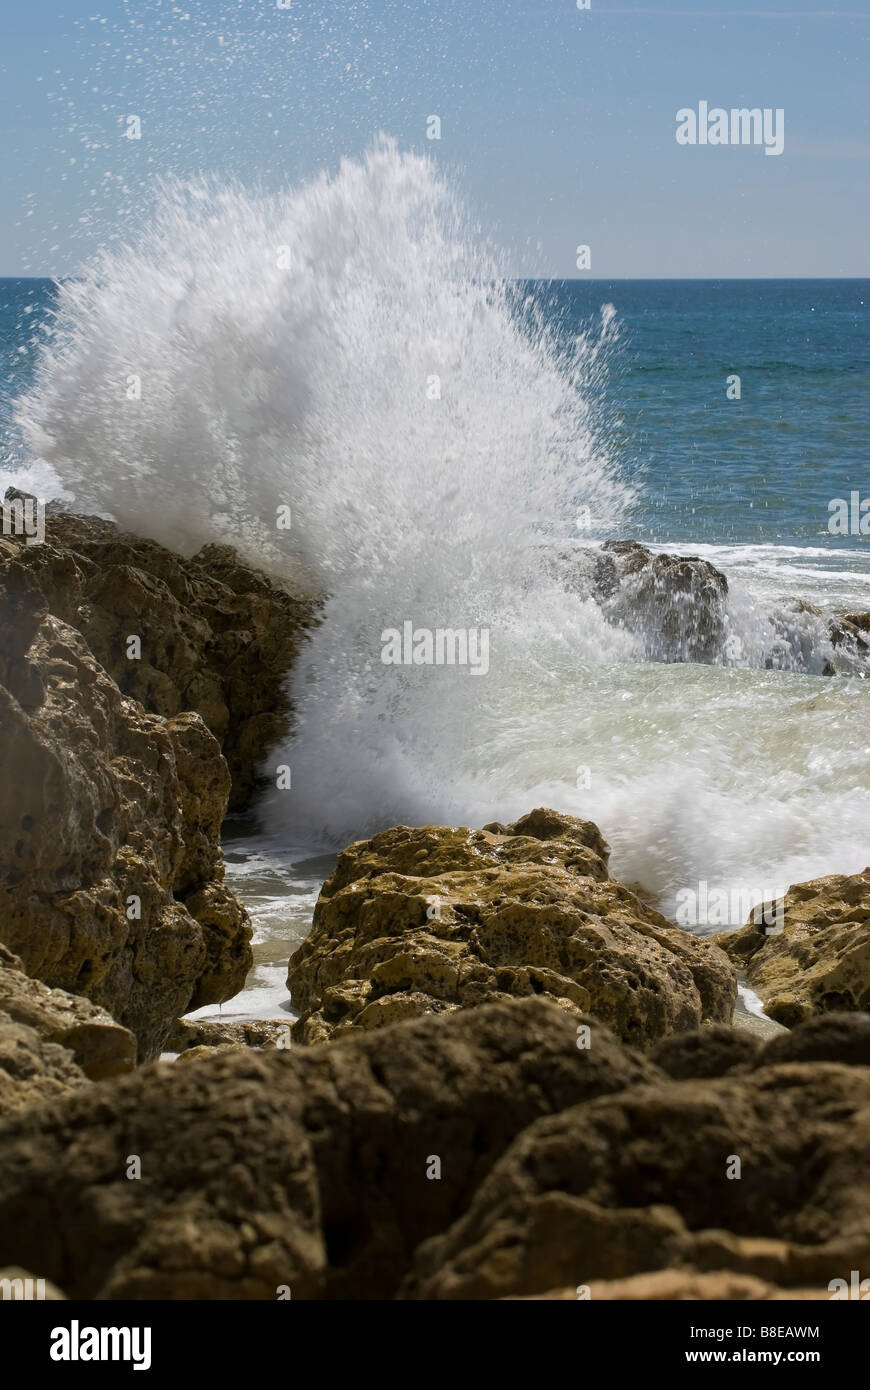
point(445, 447)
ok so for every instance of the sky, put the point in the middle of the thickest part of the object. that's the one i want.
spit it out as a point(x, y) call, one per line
point(557, 123)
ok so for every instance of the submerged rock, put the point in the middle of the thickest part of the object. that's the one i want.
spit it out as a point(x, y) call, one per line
point(851, 632)
point(434, 919)
point(675, 605)
point(679, 608)
point(216, 636)
point(820, 961)
point(675, 602)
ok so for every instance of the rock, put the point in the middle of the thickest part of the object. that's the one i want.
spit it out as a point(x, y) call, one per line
point(20, 1285)
point(32, 1072)
point(851, 631)
point(542, 837)
point(824, 1038)
point(107, 811)
point(305, 1168)
point(100, 1046)
point(314, 1169)
point(674, 603)
point(820, 961)
point(670, 1285)
point(638, 1181)
point(676, 608)
point(216, 636)
point(861, 621)
point(206, 1033)
point(204, 1051)
point(433, 919)
point(712, 1051)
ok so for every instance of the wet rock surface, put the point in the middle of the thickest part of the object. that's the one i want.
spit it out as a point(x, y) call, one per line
point(204, 1033)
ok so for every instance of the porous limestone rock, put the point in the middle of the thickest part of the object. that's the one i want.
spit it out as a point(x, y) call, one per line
point(111, 873)
point(310, 1168)
point(208, 1032)
point(820, 961)
point(479, 1155)
point(33, 1071)
point(100, 1046)
point(216, 636)
point(646, 1180)
point(434, 919)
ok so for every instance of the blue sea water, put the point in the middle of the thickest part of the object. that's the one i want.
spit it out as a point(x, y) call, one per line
point(759, 470)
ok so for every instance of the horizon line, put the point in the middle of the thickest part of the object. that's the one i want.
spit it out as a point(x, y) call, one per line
point(576, 279)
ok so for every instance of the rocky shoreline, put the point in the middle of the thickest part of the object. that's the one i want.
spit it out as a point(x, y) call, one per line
point(509, 1078)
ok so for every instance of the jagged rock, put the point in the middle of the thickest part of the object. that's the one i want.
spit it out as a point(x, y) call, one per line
point(205, 1033)
point(217, 636)
point(674, 603)
point(820, 962)
point(851, 631)
point(106, 811)
point(100, 1046)
point(33, 1071)
point(436, 919)
point(306, 1168)
point(677, 609)
point(638, 1181)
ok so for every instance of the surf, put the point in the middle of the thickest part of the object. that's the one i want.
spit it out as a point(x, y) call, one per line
point(351, 354)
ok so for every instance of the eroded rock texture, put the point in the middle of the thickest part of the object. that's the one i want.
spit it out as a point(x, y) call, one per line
point(315, 1169)
point(820, 962)
point(111, 873)
point(217, 637)
point(100, 1046)
point(434, 919)
point(305, 1168)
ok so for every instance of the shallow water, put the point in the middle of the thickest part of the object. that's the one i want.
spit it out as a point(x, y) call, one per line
point(279, 887)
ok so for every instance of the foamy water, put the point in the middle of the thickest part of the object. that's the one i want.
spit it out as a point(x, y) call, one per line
point(348, 350)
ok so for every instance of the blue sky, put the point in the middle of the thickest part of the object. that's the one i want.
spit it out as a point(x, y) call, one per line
point(558, 123)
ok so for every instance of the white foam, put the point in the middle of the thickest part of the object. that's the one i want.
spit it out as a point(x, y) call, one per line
point(311, 386)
